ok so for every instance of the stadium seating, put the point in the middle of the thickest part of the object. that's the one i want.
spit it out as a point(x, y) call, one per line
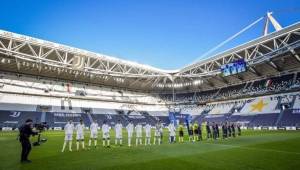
point(289, 118)
point(264, 120)
point(44, 86)
point(222, 108)
point(58, 101)
point(259, 111)
point(297, 102)
point(192, 110)
point(216, 118)
point(260, 105)
point(277, 84)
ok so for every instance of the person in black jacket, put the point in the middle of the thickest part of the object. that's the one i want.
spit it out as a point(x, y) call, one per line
point(25, 133)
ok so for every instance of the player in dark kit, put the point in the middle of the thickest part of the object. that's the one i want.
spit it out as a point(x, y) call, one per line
point(208, 130)
point(224, 130)
point(239, 129)
point(229, 130)
point(200, 132)
point(25, 133)
point(195, 131)
point(190, 131)
point(233, 130)
point(214, 131)
point(181, 134)
point(217, 130)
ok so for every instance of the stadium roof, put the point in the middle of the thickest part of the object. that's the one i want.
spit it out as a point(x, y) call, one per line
point(272, 54)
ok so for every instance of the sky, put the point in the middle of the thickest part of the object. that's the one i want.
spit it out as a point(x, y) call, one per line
point(167, 34)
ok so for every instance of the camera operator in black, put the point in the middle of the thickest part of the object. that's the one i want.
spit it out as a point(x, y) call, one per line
point(25, 133)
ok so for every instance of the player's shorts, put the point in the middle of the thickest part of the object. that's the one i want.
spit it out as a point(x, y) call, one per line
point(148, 135)
point(68, 137)
point(190, 132)
point(119, 135)
point(105, 136)
point(157, 134)
point(94, 135)
point(79, 136)
point(138, 135)
point(129, 134)
point(196, 132)
point(180, 133)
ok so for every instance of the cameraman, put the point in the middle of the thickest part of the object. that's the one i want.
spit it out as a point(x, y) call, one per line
point(25, 132)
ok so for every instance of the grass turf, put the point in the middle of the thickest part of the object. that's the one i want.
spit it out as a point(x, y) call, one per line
point(254, 150)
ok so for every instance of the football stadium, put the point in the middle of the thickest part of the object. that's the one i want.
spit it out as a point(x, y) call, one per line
point(64, 107)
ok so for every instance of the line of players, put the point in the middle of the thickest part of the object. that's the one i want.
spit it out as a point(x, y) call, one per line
point(212, 131)
point(194, 132)
point(138, 129)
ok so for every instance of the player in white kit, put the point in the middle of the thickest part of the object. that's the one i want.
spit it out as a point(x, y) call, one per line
point(157, 133)
point(69, 128)
point(94, 133)
point(172, 132)
point(148, 134)
point(118, 129)
point(80, 134)
point(129, 128)
point(105, 134)
point(138, 131)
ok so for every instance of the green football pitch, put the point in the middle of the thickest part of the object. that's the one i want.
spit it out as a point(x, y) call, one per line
point(268, 150)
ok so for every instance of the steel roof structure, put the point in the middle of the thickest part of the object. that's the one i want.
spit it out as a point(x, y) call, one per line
point(271, 54)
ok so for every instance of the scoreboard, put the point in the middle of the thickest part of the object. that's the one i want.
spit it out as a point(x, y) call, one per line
point(235, 67)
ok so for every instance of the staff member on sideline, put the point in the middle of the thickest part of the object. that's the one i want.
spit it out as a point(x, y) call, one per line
point(25, 133)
